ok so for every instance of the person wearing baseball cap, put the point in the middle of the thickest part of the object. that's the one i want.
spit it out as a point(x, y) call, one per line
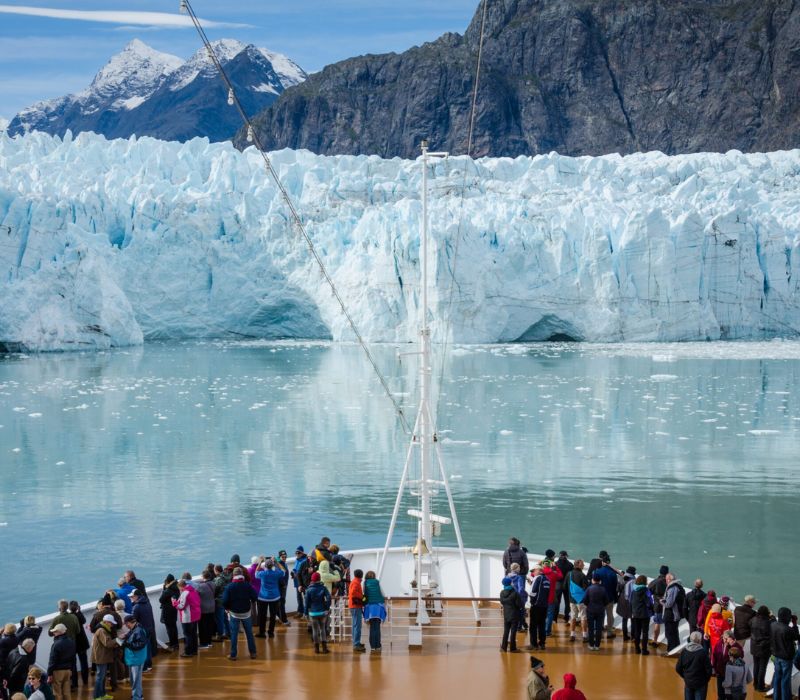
point(103, 646)
point(62, 657)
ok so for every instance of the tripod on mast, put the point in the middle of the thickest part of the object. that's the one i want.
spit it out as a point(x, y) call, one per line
point(424, 439)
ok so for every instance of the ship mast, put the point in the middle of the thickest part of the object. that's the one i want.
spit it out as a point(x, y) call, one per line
point(425, 439)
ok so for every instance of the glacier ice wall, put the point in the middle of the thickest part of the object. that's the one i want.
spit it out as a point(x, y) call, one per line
point(110, 242)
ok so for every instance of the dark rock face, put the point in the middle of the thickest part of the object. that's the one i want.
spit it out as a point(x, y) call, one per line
point(582, 77)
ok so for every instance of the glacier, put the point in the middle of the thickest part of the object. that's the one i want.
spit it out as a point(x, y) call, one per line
point(108, 243)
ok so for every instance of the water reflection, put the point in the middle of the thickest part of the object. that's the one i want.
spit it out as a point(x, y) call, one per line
point(173, 454)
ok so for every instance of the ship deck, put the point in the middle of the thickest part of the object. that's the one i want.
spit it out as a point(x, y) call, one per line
point(457, 668)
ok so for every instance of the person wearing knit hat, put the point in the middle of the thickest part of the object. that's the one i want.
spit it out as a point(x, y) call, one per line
point(538, 683)
point(511, 604)
point(318, 604)
point(237, 599)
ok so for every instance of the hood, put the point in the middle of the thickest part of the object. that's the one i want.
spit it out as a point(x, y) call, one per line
point(784, 615)
point(324, 567)
point(628, 577)
point(570, 681)
point(676, 582)
point(513, 548)
point(692, 646)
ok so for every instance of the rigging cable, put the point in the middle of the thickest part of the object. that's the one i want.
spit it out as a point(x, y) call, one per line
point(470, 134)
point(252, 136)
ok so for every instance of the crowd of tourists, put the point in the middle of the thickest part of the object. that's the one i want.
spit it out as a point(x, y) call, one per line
point(209, 610)
point(732, 644)
point(720, 632)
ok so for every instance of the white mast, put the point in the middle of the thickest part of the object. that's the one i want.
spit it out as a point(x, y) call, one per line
point(424, 437)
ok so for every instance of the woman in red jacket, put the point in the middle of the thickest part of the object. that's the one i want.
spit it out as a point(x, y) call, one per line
point(569, 691)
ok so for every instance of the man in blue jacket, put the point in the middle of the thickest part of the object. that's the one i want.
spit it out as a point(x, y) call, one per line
point(136, 646)
point(143, 613)
point(237, 599)
point(608, 577)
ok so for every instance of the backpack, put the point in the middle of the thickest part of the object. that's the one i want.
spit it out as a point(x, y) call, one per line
point(137, 639)
point(575, 591)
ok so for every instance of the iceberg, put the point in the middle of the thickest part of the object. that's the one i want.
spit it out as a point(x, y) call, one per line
point(107, 243)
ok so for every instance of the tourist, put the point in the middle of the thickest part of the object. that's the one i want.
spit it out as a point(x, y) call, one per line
point(341, 565)
point(188, 606)
point(81, 646)
point(374, 609)
point(103, 646)
point(554, 575)
point(17, 664)
point(220, 619)
point(783, 639)
point(355, 603)
point(577, 583)
point(318, 603)
point(35, 682)
point(322, 550)
point(301, 577)
point(658, 588)
point(692, 602)
point(641, 611)
point(720, 655)
point(236, 563)
point(716, 626)
point(269, 596)
point(62, 659)
point(138, 584)
point(705, 610)
point(66, 618)
point(123, 592)
point(207, 623)
point(674, 599)
point(569, 691)
point(564, 566)
point(328, 575)
point(283, 567)
point(143, 614)
point(8, 642)
point(238, 598)
point(515, 554)
point(518, 582)
point(136, 645)
point(538, 684)
point(119, 671)
point(624, 601)
point(760, 646)
point(596, 600)
point(608, 577)
point(539, 596)
point(28, 629)
point(169, 615)
point(694, 667)
point(737, 676)
point(105, 606)
point(742, 615)
point(511, 603)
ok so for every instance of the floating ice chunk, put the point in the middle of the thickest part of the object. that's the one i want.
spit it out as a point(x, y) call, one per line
point(60, 463)
point(248, 452)
point(16, 449)
point(506, 432)
point(663, 377)
point(764, 432)
point(66, 505)
point(608, 490)
point(34, 415)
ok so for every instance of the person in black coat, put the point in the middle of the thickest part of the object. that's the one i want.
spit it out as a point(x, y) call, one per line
point(17, 664)
point(511, 603)
point(595, 600)
point(143, 612)
point(169, 614)
point(783, 641)
point(760, 646)
point(81, 646)
point(641, 612)
point(691, 604)
point(694, 667)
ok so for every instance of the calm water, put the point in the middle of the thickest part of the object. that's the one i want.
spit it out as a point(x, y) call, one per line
point(165, 457)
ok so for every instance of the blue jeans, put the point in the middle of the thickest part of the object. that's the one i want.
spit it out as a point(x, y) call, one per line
point(100, 680)
point(595, 628)
point(357, 615)
point(223, 629)
point(135, 677)
point(782, 680)
point(551, 615)
point(695, 693)
point(248, 632)
point(375, 634)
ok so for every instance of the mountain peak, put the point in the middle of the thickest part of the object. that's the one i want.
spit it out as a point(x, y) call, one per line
point(136, 63)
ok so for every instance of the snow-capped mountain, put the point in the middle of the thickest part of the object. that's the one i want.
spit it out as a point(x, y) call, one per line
point(3, 124)
point(110, 242)
point(146, 92)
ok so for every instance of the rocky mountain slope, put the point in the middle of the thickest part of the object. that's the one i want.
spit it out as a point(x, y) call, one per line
point(148, 93)
point(581, 77)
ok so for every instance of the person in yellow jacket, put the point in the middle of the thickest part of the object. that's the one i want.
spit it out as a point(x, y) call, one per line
point(104, 644)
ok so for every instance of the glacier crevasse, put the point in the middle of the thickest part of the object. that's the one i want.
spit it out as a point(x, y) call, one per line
point(106, 243)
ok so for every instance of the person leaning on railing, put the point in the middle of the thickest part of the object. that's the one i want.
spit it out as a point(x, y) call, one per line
point(374, 610)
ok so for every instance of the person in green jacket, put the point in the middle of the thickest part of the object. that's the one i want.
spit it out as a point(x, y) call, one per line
point(374, 610)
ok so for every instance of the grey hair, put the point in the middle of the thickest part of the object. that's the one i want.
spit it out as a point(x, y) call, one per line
point(28, 644)
point(696, 637)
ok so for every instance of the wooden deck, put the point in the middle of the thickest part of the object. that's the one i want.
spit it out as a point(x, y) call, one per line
point(460, 669)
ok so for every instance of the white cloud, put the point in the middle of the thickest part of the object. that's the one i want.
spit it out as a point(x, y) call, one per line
point(130, 17)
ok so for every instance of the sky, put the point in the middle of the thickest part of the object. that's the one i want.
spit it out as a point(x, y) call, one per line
point(56, 47)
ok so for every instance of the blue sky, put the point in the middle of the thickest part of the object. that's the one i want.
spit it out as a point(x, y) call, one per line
point(43, 56)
